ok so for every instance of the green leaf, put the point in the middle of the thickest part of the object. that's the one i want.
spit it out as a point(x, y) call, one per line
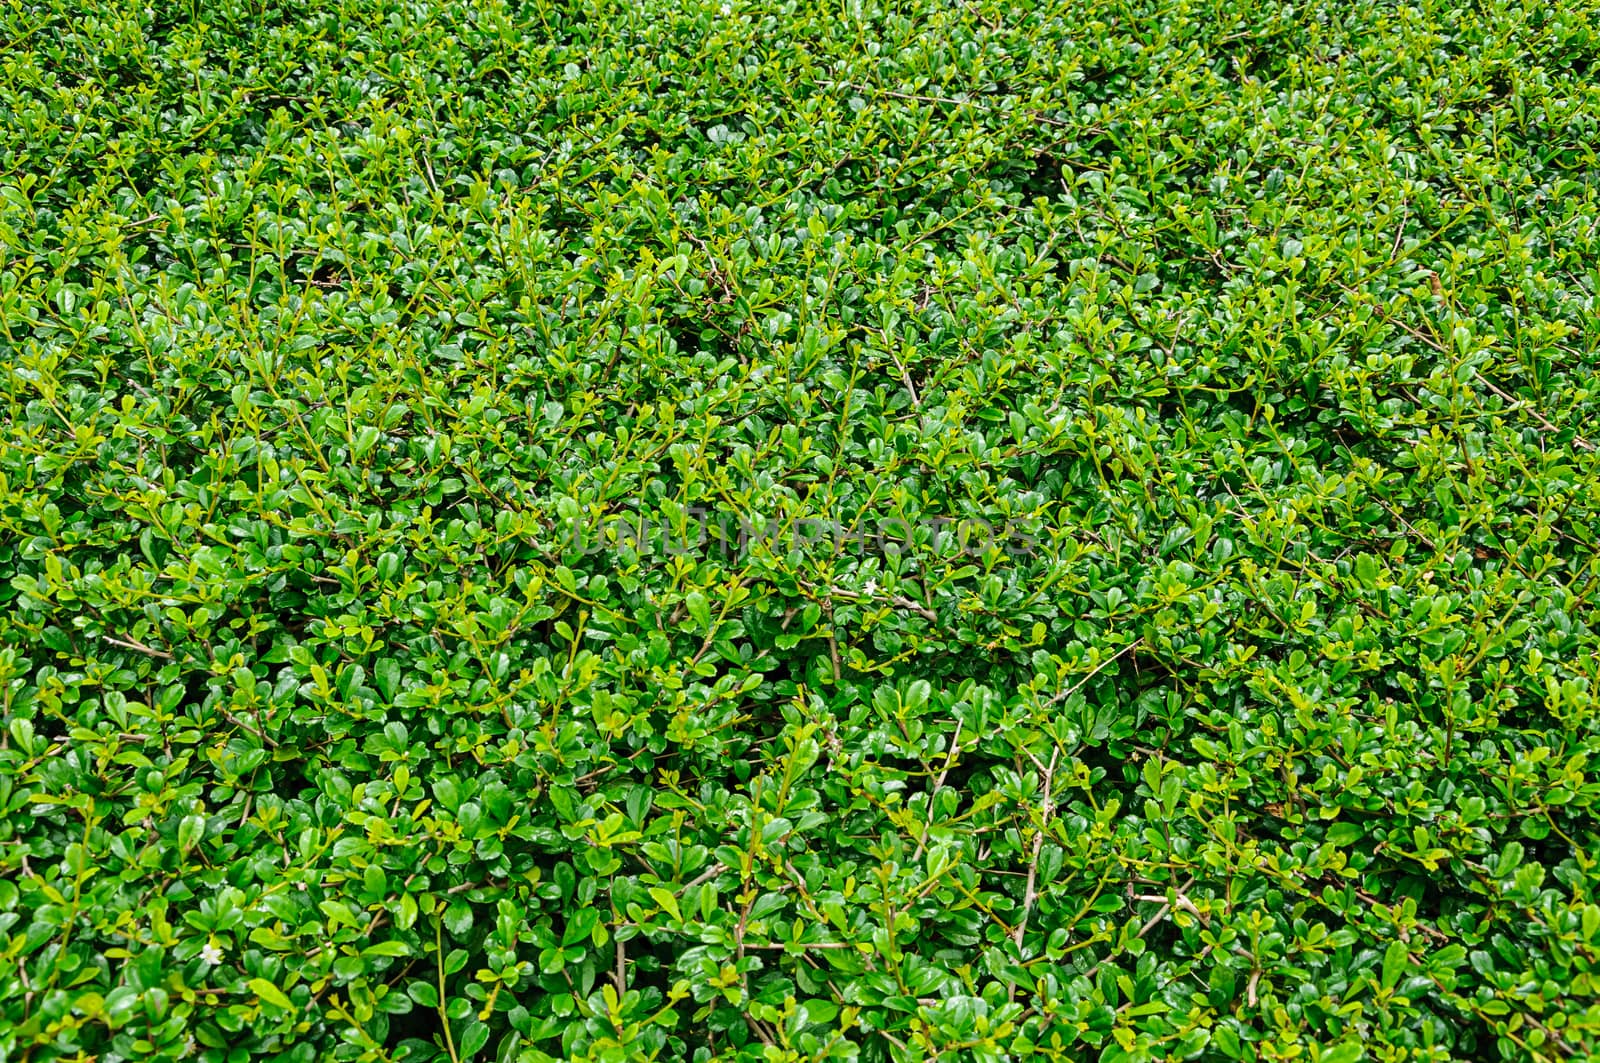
point(473, 1037)
point(387, 948)
point(366, 439)
point(1510, 859)
point(1395, 960)
point(699, 609)
point(190, 830)
point(1345, 834)
point(458, 918)
point(1345, 1052)
point(665, 899)
point(386, 673)
point(1146, 461)
point(270, 994)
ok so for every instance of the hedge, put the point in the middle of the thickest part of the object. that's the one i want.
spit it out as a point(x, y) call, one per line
point(947, 529)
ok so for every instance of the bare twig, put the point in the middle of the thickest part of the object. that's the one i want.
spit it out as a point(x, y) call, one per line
point(427, 165)
point(979, 15)
point(444, 998)
point(1181, 901)
point(1046, 811)
point(916, 607)
point(1429, 543)
point(904, 376)
point(713, 870)
point(1096, 670)
point(231, 718)
point(1516, 403)
point(948, 101)
point(938, 784)
point(833, 643)
point(1161, 913)
point(139, 646)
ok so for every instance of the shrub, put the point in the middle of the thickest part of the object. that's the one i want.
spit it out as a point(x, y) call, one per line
point(774, 531)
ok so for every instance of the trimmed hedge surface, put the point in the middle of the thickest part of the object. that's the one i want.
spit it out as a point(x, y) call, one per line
point(950, 529)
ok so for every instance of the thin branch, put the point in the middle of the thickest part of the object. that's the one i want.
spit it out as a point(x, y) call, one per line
point(1047, 810)
point(948, 101)
point(916, 607)
point(713, 870)
point(905, 377)
point(1516, 403)
point(1096, 670)
point(938, 784)
point(231, 718)
point(128, 644)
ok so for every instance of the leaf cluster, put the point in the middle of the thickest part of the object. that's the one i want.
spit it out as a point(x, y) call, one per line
point(1264, 336)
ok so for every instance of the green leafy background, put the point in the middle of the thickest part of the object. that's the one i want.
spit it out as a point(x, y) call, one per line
point(1270, 328)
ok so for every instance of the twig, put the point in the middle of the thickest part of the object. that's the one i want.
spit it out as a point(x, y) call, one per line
point(992, 24)
point(1048, 809)
point(904, 376)
point(1182, 902)
point(1166, 907)
point(833, 645)
point(1399, 233)
point(444, 999)
point(1096, 670)
point(1577, 441)
point(427, 164)
point(713, 870)
point(1149, 924)
point(916, 607)
point(586, 782)
point(1390, 319)
point(717, 274)
point(938, 784)
point(946, 100)
point(760, 1029)
point(1429, 543)
point(139, 646)
point(231, 718)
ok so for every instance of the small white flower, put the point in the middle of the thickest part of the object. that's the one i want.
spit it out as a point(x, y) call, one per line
point(211, 955)
point(188, 1047)
point(870, 587)
point(727, 9)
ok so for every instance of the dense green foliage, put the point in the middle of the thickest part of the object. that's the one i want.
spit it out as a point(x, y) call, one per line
point(1169, 624)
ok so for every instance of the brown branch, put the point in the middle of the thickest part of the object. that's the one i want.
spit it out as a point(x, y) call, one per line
point(1516, 403)
point(917, 607)
point(1048, 809)
point(129, 644)
point(713, 870)
point(904, 376)
point(938, 784)
point(231, 718)
point(621, 975)
point(1096, 670)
